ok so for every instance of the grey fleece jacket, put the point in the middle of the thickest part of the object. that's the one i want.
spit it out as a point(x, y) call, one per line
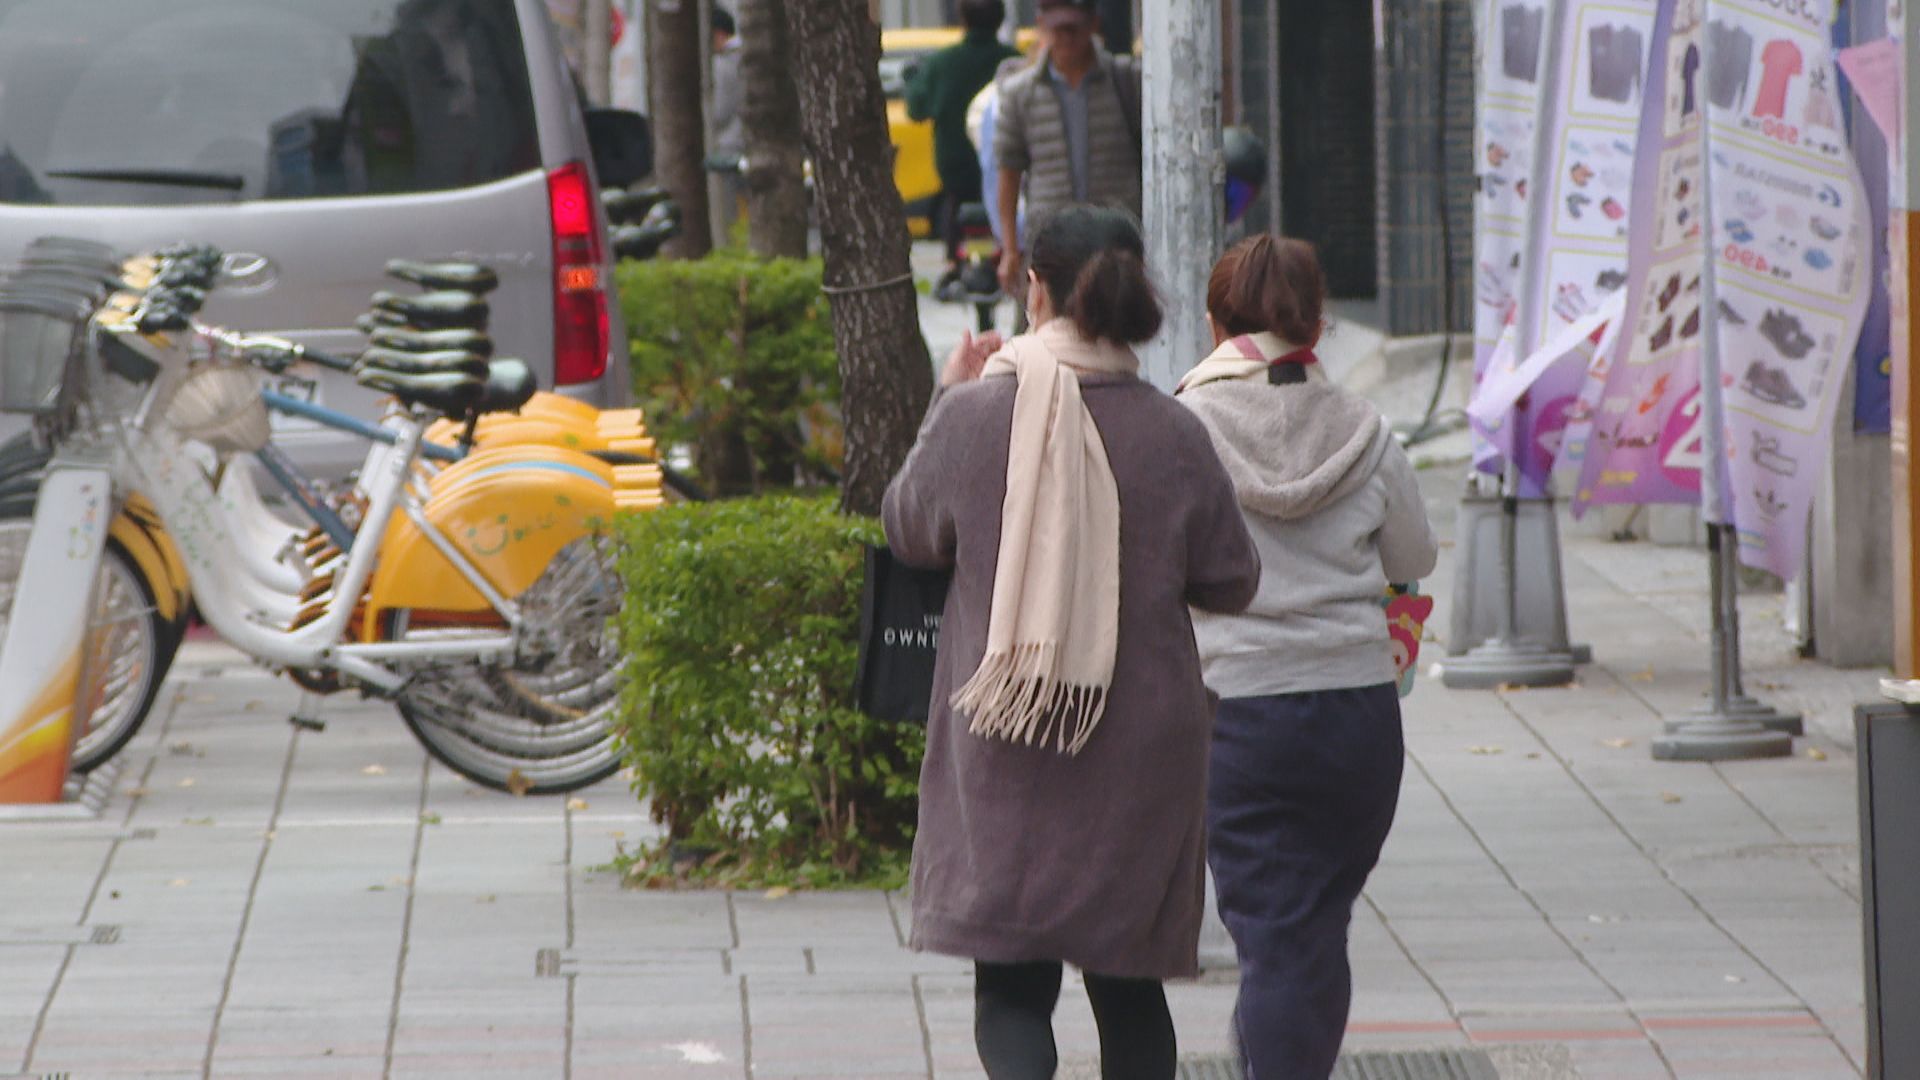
point(1332, 504)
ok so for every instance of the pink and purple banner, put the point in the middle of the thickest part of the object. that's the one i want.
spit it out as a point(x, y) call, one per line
point(1746, 108)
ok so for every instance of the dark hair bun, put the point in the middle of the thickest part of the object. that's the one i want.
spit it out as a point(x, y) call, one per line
point(1093, 263)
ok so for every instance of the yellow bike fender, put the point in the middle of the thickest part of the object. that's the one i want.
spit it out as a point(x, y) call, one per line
point(150, 558)
point(508, 511)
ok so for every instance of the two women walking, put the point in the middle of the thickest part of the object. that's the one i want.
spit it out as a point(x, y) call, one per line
point(1108, 592)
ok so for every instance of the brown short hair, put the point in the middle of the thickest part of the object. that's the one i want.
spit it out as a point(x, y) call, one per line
point(1269, 283)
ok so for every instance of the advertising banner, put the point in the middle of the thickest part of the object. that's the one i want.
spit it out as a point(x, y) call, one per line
point(1794, 265)
point(1578, 256)
point(1746, 89)
point(1511, 64)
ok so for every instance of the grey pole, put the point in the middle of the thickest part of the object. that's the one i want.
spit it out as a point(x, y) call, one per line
point(1718, 732)
point(1509, 658)
point(1739, 702)
point(1183, 172)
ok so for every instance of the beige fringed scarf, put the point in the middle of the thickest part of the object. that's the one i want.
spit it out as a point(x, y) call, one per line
point(1243, 358)
point(1055, 620)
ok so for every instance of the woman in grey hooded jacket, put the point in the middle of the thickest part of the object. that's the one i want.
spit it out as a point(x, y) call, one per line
point(1307, 748)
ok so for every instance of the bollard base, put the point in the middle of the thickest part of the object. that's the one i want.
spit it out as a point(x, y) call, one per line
point(1504, 663)
point(1708, 736)
point(1747, 708)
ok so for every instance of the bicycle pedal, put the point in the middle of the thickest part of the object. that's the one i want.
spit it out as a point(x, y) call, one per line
point(306, 715)
point(308, 723)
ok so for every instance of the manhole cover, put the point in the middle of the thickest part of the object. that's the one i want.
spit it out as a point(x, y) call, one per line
point(1376, 1065)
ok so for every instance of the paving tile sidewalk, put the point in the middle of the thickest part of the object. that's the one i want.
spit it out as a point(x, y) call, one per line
point(257, 901)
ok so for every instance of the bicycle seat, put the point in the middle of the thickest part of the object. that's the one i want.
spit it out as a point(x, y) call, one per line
point(443, 310)
point(510, 384)
point(643, 241)
point(424, 341)
point(451, 392)
point(624, 207)
point(425, 363)
point(463, 276)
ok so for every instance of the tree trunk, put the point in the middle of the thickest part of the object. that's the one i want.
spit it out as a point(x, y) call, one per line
point(885, 375)
point(776, 150)
point(679, 127)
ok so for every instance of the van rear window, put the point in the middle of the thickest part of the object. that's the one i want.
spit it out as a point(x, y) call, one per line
point(117, 102)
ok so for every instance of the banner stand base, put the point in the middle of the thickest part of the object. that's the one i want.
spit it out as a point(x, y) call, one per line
point(1479, 591)
point(1748, 708)
point(1507, 663)
point(1708, 736)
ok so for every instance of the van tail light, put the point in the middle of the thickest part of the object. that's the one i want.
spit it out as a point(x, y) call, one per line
point(579, 293)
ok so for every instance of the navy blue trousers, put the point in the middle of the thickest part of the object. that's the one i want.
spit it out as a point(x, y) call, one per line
point(1300, 796)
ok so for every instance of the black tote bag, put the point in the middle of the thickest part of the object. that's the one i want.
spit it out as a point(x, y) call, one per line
point(900, 610)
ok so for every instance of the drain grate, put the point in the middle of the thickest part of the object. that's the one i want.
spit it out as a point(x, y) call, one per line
point(1375, 1065)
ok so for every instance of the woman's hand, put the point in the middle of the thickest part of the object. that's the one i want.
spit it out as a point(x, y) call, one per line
point(969, 357)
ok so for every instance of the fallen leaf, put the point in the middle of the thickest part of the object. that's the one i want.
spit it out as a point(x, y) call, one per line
point(777, 892)
point(1733, 978)
point(429, 818)
point(114, 895)
point(1643, 675)
point(518, 783)
point(1509, 688)
point(1816, 754)
point(1486, 751)
point(1535, 756)
point(618, 834)
point(376, 888)
point(177, 882)
point(1617, 744)
point(138, 792)
point(1669, 797)
point(400, 882)
point(576, 804)
point(374, 770)
point(180, 749)
point(196, 821)
point(188, 782)
point(487, 899)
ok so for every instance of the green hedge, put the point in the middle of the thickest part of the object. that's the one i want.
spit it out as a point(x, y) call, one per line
point(741, 625)
point(733, 360)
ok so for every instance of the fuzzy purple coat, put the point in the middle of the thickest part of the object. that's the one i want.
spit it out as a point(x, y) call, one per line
point(1024, 853)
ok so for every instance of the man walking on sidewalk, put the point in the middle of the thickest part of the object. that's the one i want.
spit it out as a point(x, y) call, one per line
point(1067, 129)
point(940, 90)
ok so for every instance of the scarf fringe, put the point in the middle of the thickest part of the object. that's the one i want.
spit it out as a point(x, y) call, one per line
point(1016, 695)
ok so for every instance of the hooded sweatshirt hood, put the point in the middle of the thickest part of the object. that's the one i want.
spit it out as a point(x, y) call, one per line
point(1292, 450)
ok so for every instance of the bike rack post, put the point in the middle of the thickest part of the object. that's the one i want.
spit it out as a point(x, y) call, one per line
point(41, 658)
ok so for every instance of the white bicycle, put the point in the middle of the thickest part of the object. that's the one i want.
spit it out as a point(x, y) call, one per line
point(472, 585)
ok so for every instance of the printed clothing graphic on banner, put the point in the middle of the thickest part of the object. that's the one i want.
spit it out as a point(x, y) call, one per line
point(1614, 62)
point(1781, 59)
point(1730, 52)
point(1521, 28)
point(1689, 70)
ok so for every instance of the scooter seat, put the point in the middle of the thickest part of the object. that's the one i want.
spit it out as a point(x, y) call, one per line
point(453, 393)
point(452, 276)
point(426, 363)
point(510, 384)
point(626, 207)
point(427, 341)
point(444, 310)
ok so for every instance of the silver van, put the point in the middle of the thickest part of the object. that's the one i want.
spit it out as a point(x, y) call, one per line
point(313, 140)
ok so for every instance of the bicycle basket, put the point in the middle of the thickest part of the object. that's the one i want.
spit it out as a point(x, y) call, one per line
point(219, 404)
point(39, 338)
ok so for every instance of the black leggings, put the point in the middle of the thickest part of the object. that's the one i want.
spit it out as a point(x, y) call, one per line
point(1013, 1023)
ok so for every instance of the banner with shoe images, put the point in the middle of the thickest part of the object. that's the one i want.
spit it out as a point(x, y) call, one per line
point(1576, 252)
point(1509, 110)
point(1744, 107)
point(1793, 266)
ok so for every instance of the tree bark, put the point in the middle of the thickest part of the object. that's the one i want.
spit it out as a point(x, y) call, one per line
point(679, 125)
point(776, 150)
point(885, 375)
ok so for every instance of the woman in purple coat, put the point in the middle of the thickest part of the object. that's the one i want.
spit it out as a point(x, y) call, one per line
point(1062, 800)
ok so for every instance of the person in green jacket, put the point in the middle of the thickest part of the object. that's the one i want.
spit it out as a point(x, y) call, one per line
point(940, 89)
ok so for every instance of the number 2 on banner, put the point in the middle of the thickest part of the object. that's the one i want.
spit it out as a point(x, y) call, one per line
point(1683, 443)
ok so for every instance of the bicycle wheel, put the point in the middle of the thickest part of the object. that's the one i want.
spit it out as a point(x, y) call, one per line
point(133, 645)
point(543, 725)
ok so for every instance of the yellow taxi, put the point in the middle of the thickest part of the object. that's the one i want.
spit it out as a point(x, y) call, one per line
point(913, 171)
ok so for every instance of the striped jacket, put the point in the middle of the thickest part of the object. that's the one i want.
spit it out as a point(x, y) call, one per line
point(1030, 136)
